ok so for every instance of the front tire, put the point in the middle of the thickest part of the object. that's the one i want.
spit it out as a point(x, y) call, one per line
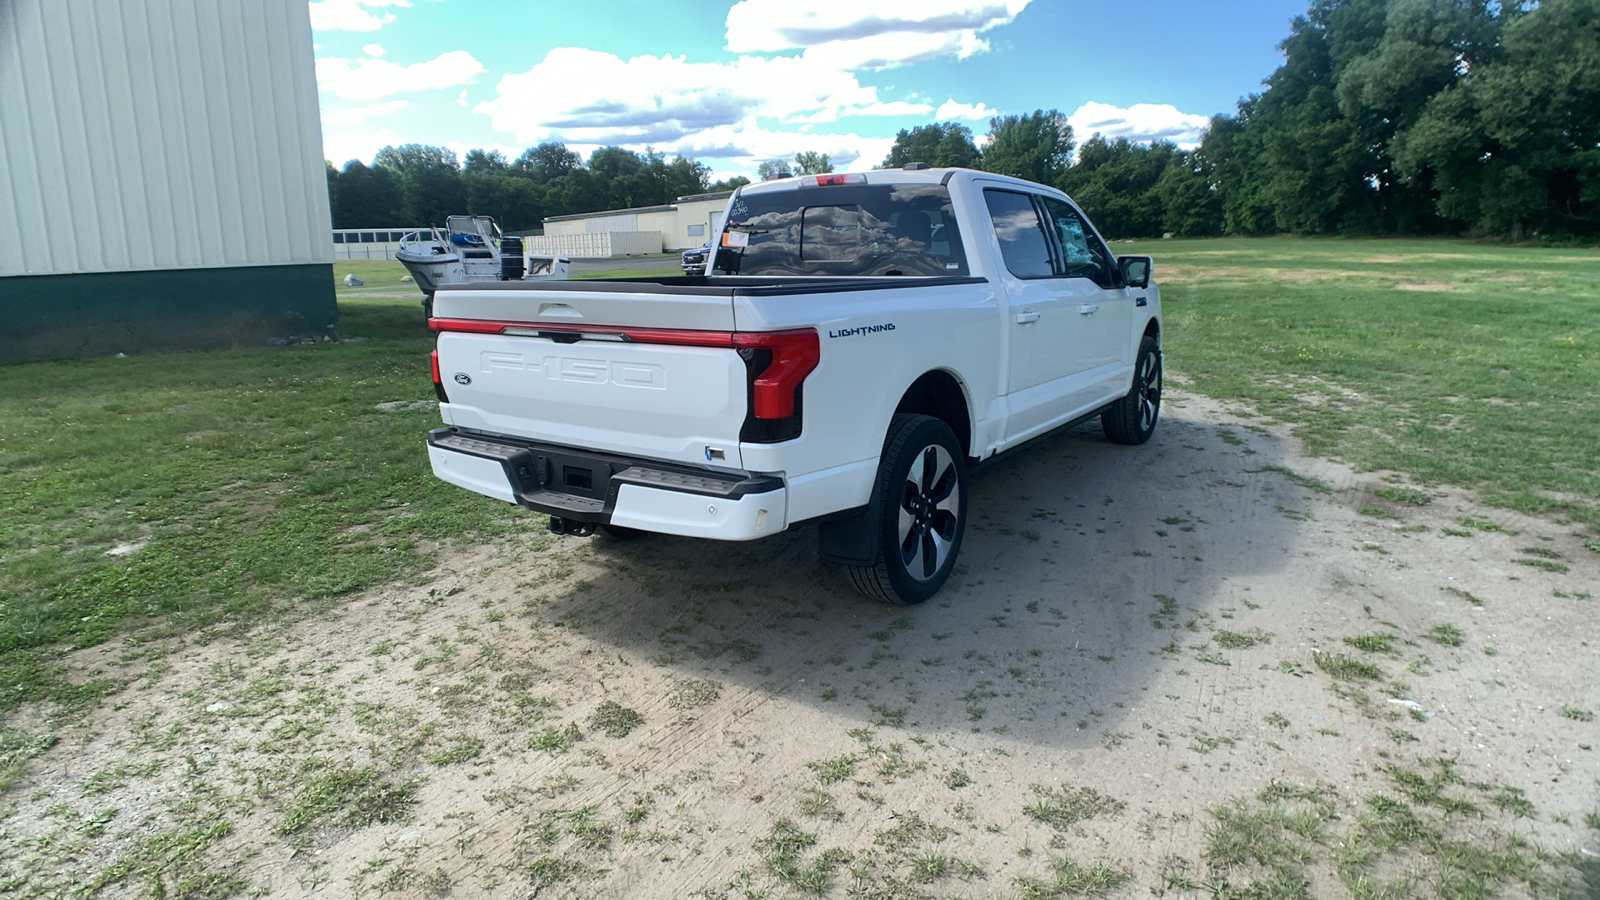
point(922, 509)
point(1132, 419)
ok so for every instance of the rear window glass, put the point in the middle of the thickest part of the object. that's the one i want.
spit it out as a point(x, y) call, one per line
point(858, 229)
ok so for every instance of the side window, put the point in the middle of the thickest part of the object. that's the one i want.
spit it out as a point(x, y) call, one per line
point(1023, 244)
point(1083, 254)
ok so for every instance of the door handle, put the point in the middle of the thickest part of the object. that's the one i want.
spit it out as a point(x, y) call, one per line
point(1027, 318)
point(1088, 309)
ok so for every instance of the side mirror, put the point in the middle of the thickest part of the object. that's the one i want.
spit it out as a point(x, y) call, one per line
point(1135, 270)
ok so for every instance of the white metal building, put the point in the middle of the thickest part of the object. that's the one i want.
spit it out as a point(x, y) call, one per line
point(686, 222)
point(161, 176)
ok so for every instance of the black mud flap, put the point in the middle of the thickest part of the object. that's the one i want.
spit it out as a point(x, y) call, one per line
point(854, 539)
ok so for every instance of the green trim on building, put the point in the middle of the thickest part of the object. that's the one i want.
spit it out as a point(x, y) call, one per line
point(102, 313)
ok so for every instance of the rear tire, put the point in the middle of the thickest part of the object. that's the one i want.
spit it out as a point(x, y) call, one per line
point(618, 532)
point(922, 503)
point(1132, 419)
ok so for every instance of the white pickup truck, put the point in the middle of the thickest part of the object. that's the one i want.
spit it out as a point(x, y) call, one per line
point(860, 343)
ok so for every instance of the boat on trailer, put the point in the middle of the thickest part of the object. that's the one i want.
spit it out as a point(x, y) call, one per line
point(471, 249)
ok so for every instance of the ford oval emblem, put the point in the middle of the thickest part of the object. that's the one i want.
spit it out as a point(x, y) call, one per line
point(463, 378)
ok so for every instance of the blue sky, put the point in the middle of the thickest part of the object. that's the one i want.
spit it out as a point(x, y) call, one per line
point(735, 83)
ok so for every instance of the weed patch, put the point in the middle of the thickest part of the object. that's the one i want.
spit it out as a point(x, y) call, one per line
point(1446, 634)
point(1064, 806)
point(693, 693)
point(17, 747)
point(1377, 642)
point(1070, 877)
point(1576, 714)
point(1468, 596)
point(782, 852)
point(615, 720)
point(342, 793)
point(1403, 495)
point(1346, 668)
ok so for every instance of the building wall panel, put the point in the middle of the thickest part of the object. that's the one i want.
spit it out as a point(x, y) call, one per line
point(158, 134)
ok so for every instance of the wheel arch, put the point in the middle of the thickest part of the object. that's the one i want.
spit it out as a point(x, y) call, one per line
point(942, 394)
point(852, 539)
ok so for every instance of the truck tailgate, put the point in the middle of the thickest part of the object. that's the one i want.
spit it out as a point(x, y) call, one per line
point(594, 369)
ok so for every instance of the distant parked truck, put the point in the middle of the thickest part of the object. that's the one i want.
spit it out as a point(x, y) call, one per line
point(471, 249)
point(860, 342)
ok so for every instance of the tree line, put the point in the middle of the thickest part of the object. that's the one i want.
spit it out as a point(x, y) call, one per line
point(417, 184)
point(1386, 117)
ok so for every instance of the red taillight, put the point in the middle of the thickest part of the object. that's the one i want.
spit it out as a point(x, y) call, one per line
point(476, 326)
point(438, 382)
point(794, 355)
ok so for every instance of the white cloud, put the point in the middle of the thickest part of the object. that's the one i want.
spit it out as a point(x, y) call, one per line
point(350, 15)
point(867, 33)
point(373, 49)
point(660, 100)
point(461, 101)
point(1141, 122)
point(356, 114)
point(950, 109)
point(371, 79)
point(738, 149)
point(891, 108)
point(339, 147)
point(729, 115)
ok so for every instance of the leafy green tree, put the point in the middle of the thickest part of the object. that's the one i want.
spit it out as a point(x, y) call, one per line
point(492, 162)
point(773, 168)
point(1191, 206)
point(939, 144)
point(684, 177)
point(810, 162)
point(370, 198)
point(729, 184)
point(547, 161)
point(1037, 146)
point(1116, 182)
point(578, 191)
point(1514, 142)
point(414, 157)
point(430, 181)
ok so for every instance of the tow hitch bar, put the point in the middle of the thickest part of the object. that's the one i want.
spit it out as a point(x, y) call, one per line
point(570, 526)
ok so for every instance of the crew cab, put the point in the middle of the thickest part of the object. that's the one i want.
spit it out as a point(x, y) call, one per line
point(860, 342)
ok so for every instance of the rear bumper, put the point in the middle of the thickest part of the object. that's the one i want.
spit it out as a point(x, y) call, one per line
point(586, 486)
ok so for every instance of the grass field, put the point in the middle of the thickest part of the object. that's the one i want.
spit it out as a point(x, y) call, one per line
point(268, 480)
point(1452, 362)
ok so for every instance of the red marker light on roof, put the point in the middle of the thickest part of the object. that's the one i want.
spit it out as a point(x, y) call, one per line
point(834, 178)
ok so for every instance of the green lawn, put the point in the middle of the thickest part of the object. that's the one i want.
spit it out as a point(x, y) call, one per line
point(253, 480)
point(270, 480)
point(1452, 362)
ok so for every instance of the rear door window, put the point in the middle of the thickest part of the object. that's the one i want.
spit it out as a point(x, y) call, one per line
point(1024, 245)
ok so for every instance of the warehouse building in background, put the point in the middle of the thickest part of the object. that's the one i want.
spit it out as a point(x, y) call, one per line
point(161, 177)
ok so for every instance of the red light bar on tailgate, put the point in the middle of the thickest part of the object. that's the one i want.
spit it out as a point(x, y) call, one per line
point(794, 353)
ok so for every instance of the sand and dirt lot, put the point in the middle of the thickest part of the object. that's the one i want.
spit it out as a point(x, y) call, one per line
point(1192, 668)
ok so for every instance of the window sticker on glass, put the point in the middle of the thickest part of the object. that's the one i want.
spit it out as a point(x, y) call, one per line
point(735, 239)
